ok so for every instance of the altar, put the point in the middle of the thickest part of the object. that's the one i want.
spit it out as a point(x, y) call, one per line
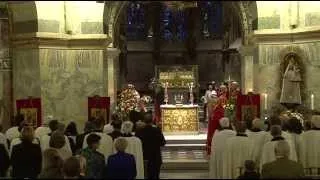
point(180, 119)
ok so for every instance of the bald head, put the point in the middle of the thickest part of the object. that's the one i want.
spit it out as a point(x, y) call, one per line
point(282, 149)
point(275, 130)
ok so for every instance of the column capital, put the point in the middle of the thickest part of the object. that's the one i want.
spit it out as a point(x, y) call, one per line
point(113, 52)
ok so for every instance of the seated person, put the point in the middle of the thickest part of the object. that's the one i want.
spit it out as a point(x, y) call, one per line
point(250, 171)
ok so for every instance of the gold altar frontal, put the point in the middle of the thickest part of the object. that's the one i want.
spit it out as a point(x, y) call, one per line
point(180, 119)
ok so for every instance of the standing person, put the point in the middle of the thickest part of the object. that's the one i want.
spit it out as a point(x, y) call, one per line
point(268, 154)
point(5, 161)
point(210, 100)
point(43, 129)
point(116, 129)
point(310, 140)
point(95, 159)
point(26, 157)
point(282, 167)
point(295, 129)
point(121, 165)
point(88, 128)
point(3, 139)
point(257, 136)
point(52, 165)
point(217, 114)
point(218, 147)
point(71, 168)
point(250, 171)
point(152, 140)
point(134, 147)
point(238, 150)
point(59, 141)
point(71, 132)
point(14, 131)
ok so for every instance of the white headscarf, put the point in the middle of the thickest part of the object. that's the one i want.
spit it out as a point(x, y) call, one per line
point(126, 127)
point(224, 122)
point(315, 120)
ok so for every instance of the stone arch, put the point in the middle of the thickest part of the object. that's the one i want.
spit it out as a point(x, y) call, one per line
point(23, 17)
point(247, 13)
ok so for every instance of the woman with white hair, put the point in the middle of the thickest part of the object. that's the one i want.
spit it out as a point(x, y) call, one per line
point(44, 128)
point(134, 147)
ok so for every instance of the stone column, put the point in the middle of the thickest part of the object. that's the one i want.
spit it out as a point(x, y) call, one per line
point(247, 69)
point(113, 75)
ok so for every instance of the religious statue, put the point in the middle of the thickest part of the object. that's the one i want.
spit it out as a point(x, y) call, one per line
point(290, 93)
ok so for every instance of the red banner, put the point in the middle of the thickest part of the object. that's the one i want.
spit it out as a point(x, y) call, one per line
point(31, 110)
point(99, 107)
point(248, 106)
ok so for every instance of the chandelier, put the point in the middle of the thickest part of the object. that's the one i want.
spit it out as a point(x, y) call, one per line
point(180, 5)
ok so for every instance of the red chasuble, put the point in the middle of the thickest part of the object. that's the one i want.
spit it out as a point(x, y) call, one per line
point(31, 111)
point(217, 114)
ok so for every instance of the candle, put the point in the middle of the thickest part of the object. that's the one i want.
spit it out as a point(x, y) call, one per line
point(265, 101)
point(312, 102)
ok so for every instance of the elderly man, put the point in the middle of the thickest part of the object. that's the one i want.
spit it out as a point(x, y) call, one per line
point(218, 147)
point(268, 154)
point(309, 147)
point(238, 150)
point(282, 167)
point(257, 136)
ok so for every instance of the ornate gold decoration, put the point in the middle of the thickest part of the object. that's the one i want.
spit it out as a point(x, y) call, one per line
point(180, 119)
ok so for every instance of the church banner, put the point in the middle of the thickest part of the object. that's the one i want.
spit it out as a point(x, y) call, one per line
point(31, 111)
point(99, 107)
point(248, 107)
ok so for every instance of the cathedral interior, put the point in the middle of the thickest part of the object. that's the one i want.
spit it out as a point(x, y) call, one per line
point(65, 51)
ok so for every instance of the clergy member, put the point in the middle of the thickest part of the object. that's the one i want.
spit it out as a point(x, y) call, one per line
point(238, 150)
point(310, 142)
point(257, 135)
point(43, 129)
point(268, 154)
point(14, 131)
point(217, 114)
point(218, 147)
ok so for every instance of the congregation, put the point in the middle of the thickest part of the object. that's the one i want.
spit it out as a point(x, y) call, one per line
point(112, 151)
point(281, 148)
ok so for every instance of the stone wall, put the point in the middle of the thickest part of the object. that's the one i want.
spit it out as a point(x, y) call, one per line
point(267, 77)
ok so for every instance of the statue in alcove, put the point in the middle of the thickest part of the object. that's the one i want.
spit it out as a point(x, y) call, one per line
point(290, 93)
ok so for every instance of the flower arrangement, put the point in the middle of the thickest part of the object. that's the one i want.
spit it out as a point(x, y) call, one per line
point(229, 109)
point(128, 100)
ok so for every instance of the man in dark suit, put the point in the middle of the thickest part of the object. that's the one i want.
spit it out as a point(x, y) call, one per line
point(152, 140)
point(4, 162)
point(282, 167)
point(121, 165)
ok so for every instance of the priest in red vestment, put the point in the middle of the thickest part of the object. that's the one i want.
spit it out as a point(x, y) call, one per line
point(218, 113)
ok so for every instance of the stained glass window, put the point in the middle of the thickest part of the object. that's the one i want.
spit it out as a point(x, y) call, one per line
point(211, 18)
point(173, 24)
point(136, 21)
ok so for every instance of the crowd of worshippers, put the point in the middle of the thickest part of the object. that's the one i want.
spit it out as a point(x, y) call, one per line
point(113, 151)
point(281, 147)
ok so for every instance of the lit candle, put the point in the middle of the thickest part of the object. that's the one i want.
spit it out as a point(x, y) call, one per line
point(265, 101)
point(312, 102)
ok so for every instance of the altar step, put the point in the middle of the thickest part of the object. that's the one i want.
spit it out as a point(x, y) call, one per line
point(185, 152)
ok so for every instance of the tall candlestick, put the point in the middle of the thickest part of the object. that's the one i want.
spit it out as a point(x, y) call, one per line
point(312, 102)
point(265, 101)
